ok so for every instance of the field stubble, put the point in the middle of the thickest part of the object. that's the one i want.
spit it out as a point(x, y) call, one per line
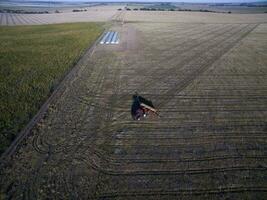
point(208, 82)
point(93, 14)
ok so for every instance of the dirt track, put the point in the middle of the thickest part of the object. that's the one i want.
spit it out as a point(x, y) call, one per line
point(208, 82)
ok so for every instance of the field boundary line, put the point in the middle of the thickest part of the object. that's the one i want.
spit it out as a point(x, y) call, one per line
point(59, 89)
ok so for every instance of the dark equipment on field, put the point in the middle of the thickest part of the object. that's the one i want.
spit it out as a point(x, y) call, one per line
point(141, 107)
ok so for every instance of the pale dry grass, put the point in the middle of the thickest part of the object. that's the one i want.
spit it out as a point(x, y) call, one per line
point(194, 17)
point(93, 14)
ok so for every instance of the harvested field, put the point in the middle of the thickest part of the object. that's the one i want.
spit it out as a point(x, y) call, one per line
point(193, 17)
point(208, 81)
point(94, 14)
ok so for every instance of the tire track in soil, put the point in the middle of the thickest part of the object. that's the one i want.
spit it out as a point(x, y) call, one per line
point(1, 18)
point(27, 19)
point(4, 19)
point(206, 34)
point(24, 21)
point(17, 17)
point(80, 148)
point(37, 20)
point(191, 77)
point(207, 50)
point(32, 20)
point(99, 81)
point(210, 33)
point(56, 93)
point(114, 102)
point(227, 49)
point(7, 21)
point(94, 91)
point(182, 63)
point(183, 192)
point(42, 20)
point(12, 19)
point(29, 191)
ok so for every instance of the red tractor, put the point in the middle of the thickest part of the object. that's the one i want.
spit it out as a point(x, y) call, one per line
point(142, 107)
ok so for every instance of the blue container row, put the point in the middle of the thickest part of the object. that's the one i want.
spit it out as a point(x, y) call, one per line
point(110, 37)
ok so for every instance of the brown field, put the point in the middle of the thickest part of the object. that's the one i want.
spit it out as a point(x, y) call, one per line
point(193, 17)
point(93, 14)
point(205, 73)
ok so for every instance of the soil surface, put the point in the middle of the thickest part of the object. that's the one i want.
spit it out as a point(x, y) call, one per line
point(208, 81)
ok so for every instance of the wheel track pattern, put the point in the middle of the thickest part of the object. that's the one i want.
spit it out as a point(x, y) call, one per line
point(1, 17)
point(185, 192)
point(171, 71)
point(183, 62)
point(110, 131)
point(185, 82)
point(170, 92)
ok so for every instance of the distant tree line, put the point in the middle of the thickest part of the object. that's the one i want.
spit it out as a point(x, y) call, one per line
point(260, 4)
point(171, 9)
point(79, 10)
point(23, 11)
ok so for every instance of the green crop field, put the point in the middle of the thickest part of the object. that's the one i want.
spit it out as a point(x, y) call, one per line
point(33, 60)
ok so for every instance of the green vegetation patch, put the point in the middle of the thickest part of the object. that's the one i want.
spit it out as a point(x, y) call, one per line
point(33, 60)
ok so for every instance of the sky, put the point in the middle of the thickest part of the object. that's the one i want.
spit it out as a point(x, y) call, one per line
point(191, 1)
